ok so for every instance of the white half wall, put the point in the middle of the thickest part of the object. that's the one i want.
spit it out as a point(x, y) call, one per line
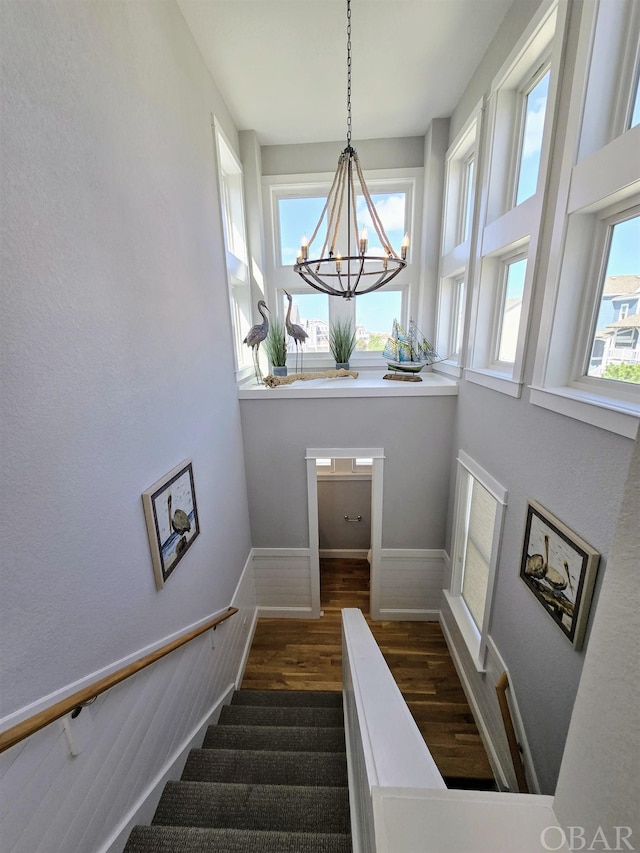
point(282, 579)
point(410, 584)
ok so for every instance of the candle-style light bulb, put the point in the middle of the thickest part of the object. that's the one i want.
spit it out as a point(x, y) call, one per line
point(404, 247)
point(304, 248)
point(364, 242)
point(338, 262)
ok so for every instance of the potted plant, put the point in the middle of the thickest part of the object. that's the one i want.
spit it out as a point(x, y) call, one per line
point(342, 342)
point(276, 344)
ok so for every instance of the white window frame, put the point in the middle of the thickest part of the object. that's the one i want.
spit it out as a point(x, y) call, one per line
point(599, 184)
point(281, 277)
point(476, 638)
point(505, 229)
point(236, 256)
point(457, 237)
point(500, 305)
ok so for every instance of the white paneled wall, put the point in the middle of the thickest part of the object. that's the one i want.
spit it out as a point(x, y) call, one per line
point(135, 737)
point(409, 584)
point(283, 582)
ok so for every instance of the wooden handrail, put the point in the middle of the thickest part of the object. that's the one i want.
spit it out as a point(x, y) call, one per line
point(514, 747)
point(30, 726)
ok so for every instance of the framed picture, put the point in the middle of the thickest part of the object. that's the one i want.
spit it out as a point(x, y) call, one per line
point(560, 570)
point(172, 519)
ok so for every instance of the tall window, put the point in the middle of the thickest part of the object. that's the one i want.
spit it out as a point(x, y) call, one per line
point(479, 508)
point(480, 517)
point(292, 210)
point(238, 280)
point(519, 130)
point(535, 108)
point(457, 229)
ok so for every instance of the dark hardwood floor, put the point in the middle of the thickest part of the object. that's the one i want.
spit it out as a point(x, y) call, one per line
point(306, 654)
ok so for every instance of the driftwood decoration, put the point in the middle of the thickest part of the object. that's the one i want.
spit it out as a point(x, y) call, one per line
point(274, 381)
point(405, 377)
point(514, 746)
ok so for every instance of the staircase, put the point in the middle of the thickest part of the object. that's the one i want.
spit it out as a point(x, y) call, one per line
point(271, 776)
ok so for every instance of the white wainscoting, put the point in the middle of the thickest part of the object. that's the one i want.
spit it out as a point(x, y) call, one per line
point(480, 689)
point(407, 584)
point(283, 582)
point(135, 737)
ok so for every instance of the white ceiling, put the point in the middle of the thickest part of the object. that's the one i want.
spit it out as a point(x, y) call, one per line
point(281, 64)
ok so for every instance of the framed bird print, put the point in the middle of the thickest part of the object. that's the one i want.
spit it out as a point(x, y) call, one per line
point(560, 570)
point(172, 519)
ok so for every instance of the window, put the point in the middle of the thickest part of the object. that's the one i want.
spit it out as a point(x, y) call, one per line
point(293, 206)
point(311, 312)
point(232, 201)
point(587, 360)
point(375, 313)
point(615, 342)
point(535, 106)
point(479, 508)
point(457, 231)
point(635, 111)
point(518, 131)
point(510, 308)
point(468, 195)
point(292, 212)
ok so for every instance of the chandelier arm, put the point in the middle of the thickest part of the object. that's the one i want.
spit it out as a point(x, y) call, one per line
point(338, 207)
point(354, 205)
point(384, 278)
point(375, 217)
point(332, 197)
point(310, 277)
point(358, 277)
point(324, 210)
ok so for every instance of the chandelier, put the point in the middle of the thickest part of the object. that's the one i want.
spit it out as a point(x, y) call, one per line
point(359, 271)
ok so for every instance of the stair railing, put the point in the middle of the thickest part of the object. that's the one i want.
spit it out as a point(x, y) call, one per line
point(75, 702)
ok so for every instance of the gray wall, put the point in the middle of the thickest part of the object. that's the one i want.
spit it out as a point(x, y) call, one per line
point(415, 435)
point(115, 333)
point(323, 156)
point(340, 497)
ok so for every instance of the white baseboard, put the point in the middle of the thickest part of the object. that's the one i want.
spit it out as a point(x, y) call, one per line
point(343, 553)
point(400, 615)
point(285, 613)
point(485, 734)
point(141, 812)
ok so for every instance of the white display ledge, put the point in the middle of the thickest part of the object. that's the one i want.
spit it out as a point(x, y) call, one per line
point(368, 384)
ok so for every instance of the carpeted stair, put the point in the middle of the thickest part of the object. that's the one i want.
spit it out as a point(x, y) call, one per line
point(271, 776)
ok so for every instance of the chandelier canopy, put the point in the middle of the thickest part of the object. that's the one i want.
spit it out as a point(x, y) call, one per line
point(359, 271)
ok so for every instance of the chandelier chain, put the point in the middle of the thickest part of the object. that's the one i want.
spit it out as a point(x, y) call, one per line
point(348, 72)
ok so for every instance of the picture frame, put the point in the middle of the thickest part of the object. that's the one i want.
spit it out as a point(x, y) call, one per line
point(560, 569)
point(172, 521)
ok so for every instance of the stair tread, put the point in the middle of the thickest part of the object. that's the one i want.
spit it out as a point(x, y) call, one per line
point(284, 767)
point(298, 738)
point(187, 839)
point(256, 715)
point(289, 698)
point(294, 808)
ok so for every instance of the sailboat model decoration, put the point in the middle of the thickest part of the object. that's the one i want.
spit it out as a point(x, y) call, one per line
point(408, 351)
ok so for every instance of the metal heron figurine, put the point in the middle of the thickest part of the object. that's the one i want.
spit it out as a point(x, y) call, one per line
point(255, 336)
point(295, 331)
